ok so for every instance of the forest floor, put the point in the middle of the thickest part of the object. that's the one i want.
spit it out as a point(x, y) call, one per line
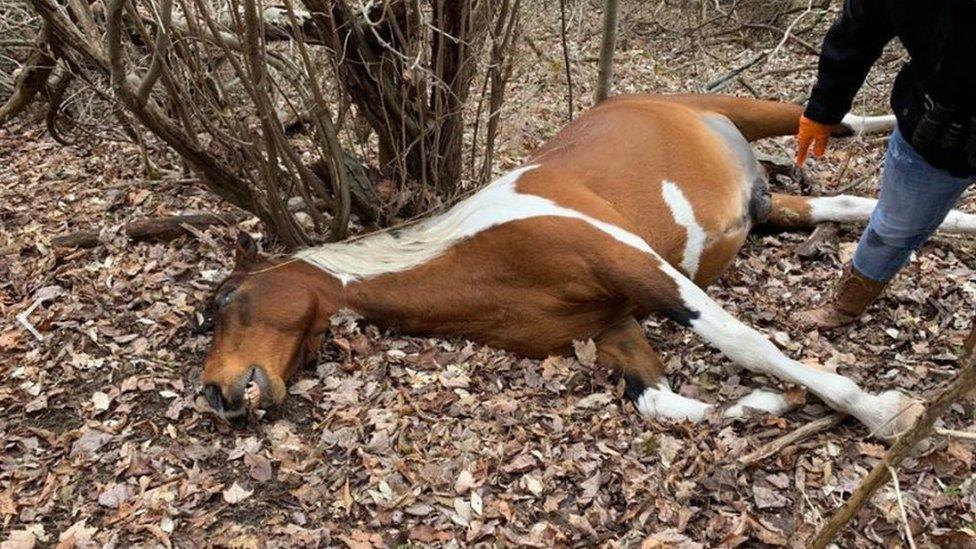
point(405, 440)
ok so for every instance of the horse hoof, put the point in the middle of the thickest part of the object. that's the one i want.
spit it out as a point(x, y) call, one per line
point(903, 411)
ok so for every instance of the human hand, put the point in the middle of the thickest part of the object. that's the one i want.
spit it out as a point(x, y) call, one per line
point(811, 133)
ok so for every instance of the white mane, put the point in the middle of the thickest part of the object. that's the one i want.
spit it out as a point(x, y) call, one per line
point(408, 247)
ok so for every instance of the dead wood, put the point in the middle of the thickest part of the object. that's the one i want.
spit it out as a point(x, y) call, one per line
point(153, 228)
point(821, 239)
point(566, 62)
point(776, 445)
point(30, 81)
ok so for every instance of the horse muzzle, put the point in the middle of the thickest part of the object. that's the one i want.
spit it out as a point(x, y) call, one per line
point(252, 389)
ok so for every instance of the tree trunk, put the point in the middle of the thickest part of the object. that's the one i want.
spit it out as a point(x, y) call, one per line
point(607, 46)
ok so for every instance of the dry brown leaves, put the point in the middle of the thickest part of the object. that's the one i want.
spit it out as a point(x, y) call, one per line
point(398, 440)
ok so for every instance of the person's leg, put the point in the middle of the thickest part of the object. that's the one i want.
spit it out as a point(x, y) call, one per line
point(914, 200)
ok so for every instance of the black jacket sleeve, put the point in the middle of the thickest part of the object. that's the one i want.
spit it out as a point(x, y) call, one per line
point(852, 45)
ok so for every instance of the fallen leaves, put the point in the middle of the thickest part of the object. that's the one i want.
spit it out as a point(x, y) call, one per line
point(115, 495)
point(596, 400)
point(11, 339)
point(101, 401)
point(767, 497)
point(425, 533)
point(90, 441)
point(236, 494)
point(533, 485)
point(258, 466)
point(465, 482)
point(390, 440)
point(585, 352)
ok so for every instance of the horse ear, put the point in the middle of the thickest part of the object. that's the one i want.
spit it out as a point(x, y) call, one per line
point(246, 249)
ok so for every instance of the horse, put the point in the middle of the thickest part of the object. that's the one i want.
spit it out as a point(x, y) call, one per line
point(629, 211)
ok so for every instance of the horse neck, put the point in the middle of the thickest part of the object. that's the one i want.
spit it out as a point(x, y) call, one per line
point(389, 299)
point(398, 299)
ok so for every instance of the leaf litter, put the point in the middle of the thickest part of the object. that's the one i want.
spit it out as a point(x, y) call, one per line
point(391, 439)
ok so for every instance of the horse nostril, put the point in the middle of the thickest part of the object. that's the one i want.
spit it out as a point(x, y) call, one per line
point(214, 396)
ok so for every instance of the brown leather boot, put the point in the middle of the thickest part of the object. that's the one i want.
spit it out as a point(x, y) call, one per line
point(853, 294)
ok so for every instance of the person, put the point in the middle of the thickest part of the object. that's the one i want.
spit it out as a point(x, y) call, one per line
point(931, 157)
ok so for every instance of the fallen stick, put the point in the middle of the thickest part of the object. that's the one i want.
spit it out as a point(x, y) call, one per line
point(23, 318)
point(901, 508)
point(964, 382)
point(44, 294)
point(823, 235)
point(776, 445)
point(155, 228)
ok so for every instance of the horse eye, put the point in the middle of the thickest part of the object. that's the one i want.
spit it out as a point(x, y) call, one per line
point(224, 296)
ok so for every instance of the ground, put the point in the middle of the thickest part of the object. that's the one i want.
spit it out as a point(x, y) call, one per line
point(394, 440)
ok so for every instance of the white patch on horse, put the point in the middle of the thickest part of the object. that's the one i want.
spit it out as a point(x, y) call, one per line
point(857, 209)
point(407, 247)
point(764, 401)
point(841, 209)
point(411, 246)
point(869, 124)
point(684, 215)
point(661, 402)
point(883, 414)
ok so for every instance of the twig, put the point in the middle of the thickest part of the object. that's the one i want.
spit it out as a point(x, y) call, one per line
point(901, 508)
point(786, 70)
point(749, 87)
point(961, 385)
point(854, 183)
point(843, 170)
point(22, 318)
point(806, 45)
point(159, 52)
point(789, 30)
point(723, 81)
point(776, 445)
point(822, 234)
point(968, 435)
point(43, 295)
point(569, 74)
point(764, 57)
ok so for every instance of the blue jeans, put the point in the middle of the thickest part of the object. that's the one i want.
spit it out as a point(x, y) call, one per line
point(915, 198)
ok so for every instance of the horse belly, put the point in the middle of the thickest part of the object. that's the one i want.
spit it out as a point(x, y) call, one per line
point(719, 254)
point(728, 211)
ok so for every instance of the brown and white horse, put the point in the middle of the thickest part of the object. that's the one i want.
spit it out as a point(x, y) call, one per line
point(628, 212)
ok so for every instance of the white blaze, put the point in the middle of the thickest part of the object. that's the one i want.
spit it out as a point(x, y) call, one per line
point(660, 402)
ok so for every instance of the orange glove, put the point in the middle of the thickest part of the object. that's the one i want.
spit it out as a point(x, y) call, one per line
point(814, 133)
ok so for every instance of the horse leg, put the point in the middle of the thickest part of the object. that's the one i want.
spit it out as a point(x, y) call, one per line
point(799, 212)
point(624, 348)
point(639, 273)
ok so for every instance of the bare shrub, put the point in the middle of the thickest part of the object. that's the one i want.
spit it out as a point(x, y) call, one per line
point(303, 114)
